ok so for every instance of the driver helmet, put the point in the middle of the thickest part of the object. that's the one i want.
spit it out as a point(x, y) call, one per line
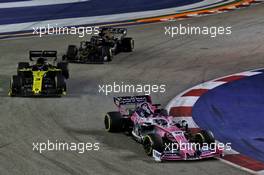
point(183, 123)
point(161, 122)
point(40, 63)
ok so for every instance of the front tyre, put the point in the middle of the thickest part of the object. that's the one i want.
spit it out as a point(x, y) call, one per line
point(208, 135)
point(152, 142)
point(110, 55)
point(204, 136)
point(107, 54)
point(61, 84)
point(128, 44)
point(113, 122)
point(22, 65)
point(15, 85)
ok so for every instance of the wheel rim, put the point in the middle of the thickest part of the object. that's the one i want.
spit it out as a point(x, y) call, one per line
point(148, 145)
point(199, 138)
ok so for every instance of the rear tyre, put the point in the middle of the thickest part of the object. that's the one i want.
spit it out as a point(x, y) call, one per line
point(128, 44)
point(152, 142)
point(22, 65)
point(113, 122)
point(64, 69)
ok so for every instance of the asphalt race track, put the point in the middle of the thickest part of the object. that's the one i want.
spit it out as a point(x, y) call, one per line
point(179, 62)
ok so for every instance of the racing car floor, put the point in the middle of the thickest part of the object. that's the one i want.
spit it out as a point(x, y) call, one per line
point(180, 63)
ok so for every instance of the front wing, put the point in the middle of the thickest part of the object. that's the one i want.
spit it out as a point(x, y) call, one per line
point(173, 156)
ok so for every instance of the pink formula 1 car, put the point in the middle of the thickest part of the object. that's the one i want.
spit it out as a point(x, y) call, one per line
point(161, 136)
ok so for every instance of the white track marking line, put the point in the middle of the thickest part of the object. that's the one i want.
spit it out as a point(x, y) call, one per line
point(229, 152)
point(260, 172)
point(37, 3)
point(209, 85)
point(187, 101)
point(248, 73)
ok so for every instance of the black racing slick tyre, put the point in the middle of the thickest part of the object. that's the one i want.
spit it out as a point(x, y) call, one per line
point(208, 135)
point(152, 142)
point(64, 69)
point(107, 54)
point(15, 85)
point(72, 52)
point(204, 137)
point(128, 44)
point(115, 48)
point(60, 84)
point(113, 122)
point(22, 65)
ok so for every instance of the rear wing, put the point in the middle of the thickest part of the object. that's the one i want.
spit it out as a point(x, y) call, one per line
point(128, 100)
point(122, 31)
point(47, 54)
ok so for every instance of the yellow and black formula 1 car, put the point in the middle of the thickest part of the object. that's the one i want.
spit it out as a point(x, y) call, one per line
point(40, 77)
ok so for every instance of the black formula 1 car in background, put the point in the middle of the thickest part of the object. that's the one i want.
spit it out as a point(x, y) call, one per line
point(117, 38)
point(41, 76)
point(101, 48)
